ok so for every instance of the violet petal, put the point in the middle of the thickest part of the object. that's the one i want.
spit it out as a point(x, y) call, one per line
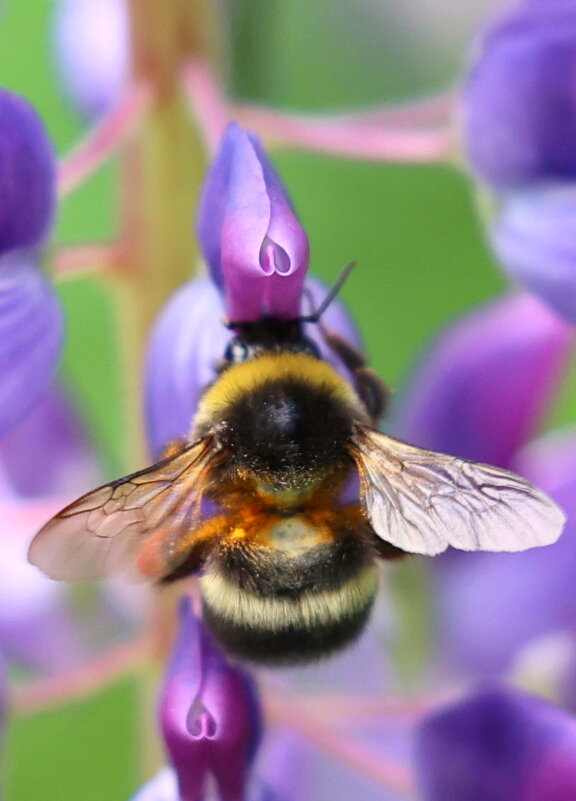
point(30, 336)
point(519, 105)
point(534, 237)
point(492, 605)
point(92, 50)
point(500, 745)
point(256, 248)
point(48, 452)
point(27, 175)
point(209, 715)
point(508, 356)
point(188, 342)
point(38, 628)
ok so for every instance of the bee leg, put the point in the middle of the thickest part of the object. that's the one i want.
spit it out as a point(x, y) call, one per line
point(174, 448)
point(373, 393)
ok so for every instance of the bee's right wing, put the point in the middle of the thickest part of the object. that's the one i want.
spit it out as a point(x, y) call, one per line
point(141, 525)
point(422, 501)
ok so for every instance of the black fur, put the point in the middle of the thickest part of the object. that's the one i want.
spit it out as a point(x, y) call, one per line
point(273, 573)
point(286, 431)
point(289, 645)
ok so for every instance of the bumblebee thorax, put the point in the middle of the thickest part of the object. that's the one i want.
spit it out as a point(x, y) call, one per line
point(284, 417)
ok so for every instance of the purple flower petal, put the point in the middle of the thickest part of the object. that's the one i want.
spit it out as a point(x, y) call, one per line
point(48, 452)
point(188, 342)
point(499, 745)
point(209, 715)
point(534, 237)
point(491, 605)
point(38, 628)
point(27, 175)
point(30, 336)
point(256, 248)
point(92, 48)
point(519, 104)
point(483, 387)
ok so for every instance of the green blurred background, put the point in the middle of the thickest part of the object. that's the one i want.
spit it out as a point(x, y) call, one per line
point(413, 231)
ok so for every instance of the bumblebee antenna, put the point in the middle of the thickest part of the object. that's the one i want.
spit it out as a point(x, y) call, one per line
point(332, 293)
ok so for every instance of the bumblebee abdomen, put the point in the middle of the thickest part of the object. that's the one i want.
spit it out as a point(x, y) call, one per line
point(287, 629)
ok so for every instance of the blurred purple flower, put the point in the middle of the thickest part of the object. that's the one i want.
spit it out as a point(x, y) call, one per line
point(519, 105)
point(209, 714)
point(534, 235)
point(483, 387)
point(188, 342)
point(492, 605)
point(255, 247)
point(480, 393)
point(497, 745)
point(92, 52)
point(30, 317)
point(27, 175)
point(44, 461)
point(30, 335)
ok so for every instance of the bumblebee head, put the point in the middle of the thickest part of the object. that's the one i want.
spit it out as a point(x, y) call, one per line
point(267, 335)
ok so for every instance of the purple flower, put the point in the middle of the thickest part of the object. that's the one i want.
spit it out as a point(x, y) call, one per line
point(533, 235)
point(27, 175)
point(497, 745)
point(209, 715)
point(481, 393)
point(91, 42)
point(44, 461)
point(30, 335)
point(483, 387)
point(519, 103)
point(492, 605)
point(188, 343)
point(30, 317)
point(255, 247)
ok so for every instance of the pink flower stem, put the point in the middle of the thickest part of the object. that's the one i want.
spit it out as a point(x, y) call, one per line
point(78, 261)
point(36, 696)
point(334, 742)
point(366, 708)
point(106, 137)
point(359, 137)
point(207, 103)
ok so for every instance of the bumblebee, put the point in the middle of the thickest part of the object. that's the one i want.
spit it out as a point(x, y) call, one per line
point(284, 497)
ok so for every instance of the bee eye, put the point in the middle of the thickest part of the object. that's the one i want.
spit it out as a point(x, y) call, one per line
point(236, 351)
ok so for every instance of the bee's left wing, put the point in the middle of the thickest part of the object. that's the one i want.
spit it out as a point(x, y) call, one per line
point(422, 502)
point(141, 525)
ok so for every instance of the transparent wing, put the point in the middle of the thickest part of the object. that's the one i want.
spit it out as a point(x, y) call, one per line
point(137, 524)
point(423, 501)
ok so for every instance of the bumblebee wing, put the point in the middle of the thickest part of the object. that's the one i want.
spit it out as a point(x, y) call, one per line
point(423, 501)
point(109, 530)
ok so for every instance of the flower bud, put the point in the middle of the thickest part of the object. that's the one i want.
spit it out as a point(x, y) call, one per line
point(209, 714)
point(519, 104)
point(255, 247)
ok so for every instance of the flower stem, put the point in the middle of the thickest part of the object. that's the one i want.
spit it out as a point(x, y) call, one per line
point(162, 167)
